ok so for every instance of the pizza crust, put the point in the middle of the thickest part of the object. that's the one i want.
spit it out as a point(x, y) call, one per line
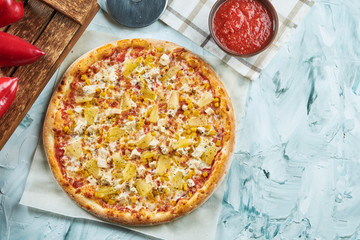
point(184, 206)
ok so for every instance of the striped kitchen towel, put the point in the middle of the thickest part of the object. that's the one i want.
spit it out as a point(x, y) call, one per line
point(190, 17)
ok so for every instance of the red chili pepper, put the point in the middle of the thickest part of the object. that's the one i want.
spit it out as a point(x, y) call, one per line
point(8, 87)
point(11, 11)
point(15, 52)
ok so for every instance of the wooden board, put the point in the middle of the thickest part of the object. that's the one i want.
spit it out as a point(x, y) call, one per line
point(53, 26)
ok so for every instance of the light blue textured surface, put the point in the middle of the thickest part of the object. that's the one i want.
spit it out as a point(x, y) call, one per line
point(295, 173)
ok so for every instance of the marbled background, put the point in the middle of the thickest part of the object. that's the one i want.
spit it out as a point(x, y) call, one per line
point(296, 170)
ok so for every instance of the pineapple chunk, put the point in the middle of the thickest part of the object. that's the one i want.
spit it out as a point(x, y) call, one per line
point(79, 99)
point(90, 114)
point(119, 163)
point(143, 187)
point(74, 149)
point(92, 168)
point(104, 191)
point(182, 143)
point(199, 121)
point(170, 73)
point(115, 133)
point(174, 100)
point(129, 171)
point(144, 141)
point(147, 154)
point(177, 181)
point(205, 99)
point(162, 165)
point(148, 93)
point(129, 66)
point(125, 103)
point(209, 154)
point(154, 114)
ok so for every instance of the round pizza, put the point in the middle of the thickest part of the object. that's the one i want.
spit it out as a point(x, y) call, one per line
point(139, 131)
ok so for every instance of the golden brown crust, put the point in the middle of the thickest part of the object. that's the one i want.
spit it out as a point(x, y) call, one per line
point(143, 217)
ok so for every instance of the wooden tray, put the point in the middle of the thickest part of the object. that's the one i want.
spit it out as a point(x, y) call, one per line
point(53, 26)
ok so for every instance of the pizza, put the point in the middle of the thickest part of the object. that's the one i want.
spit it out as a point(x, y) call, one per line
point(139, 131)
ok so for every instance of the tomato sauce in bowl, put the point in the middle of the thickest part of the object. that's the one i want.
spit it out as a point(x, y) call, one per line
point(243, 27)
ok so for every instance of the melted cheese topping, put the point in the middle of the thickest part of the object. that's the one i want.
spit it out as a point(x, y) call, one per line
point(140, 133)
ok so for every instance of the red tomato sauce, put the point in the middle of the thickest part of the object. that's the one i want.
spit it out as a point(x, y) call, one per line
point(243, 26)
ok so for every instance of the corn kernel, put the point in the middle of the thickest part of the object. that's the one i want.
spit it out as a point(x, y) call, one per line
point(163, 115)
point(190, 194)
point(188, 131)
point(216, 104)
point(131, 144)
point(206, 85)
point(131, 117)
point(67, 130)
point(188, 101)
point(106, 105)
point(87, 81)
point(111, 86)
point(193, 135)
point(212, 132)
point(190, 70)
point(169, 87)
point(207, 127)
point(143, 161)
point(133, 199)
point(154, 134)
point(98, 90)
point(216, 100)
point(167, 191)
point(139, 125)
point(196, 113)
point(177, 137)
point(102, 94)
point(173, 202)
point(186, 113)
point(205, 174)
point(190, 106)
point(70, 111)
point(181, 72)
point(185, 187)
point(83, 77)
point(134, 98)
point(193, 129)
point(160, 49)
point(218, 143)
point(126, 157)
point(217, 112)
point(146, 101)
point(111, 202)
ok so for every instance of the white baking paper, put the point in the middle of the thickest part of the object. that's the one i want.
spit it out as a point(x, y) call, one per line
point(43, 192)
